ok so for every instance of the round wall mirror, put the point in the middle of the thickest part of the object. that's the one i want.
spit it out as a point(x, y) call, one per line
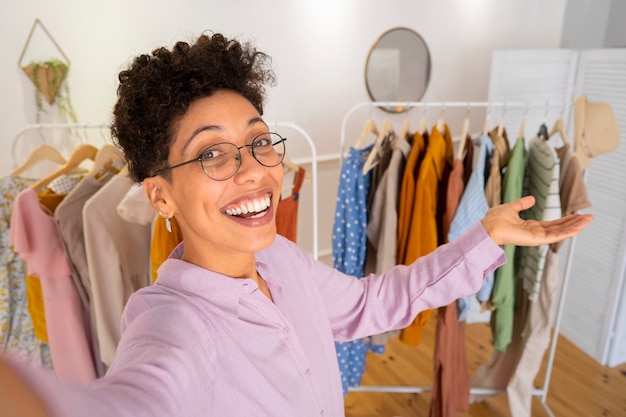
point(398, 66)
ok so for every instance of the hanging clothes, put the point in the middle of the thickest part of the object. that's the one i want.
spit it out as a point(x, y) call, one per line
point(407, 193)
point(287, 210)
point(118, 258)
point(503, 294)
point(68, 218)
point(163, 243)
point(450, 389)
point(499, 160)
point(537, 328)
point(35, 237)
point(425, 225)
point(542, 182)
point(69, 221)
point(472, 207)
point(17, 332)
point(135, 207)
point(382, 227)
point(349, 246)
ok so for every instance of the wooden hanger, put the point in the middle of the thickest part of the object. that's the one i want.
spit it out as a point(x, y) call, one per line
point(41, 153)
point(406, 126)
point(500, 130)
point(370, 127)
point(421, 128)
point(372, 158)
point(79, 155)
point(486, 125)
point(123, 171)
point(440, 126)
point(461, 151)
point(106, 156)
point(522, 127)
point(559, 127)
point(288, 163)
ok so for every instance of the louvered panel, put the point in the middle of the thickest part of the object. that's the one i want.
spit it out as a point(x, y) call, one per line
point(593, 318)
point(531, 76)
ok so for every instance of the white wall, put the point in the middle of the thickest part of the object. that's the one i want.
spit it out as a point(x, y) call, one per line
point(585, 23)
point(616, 30)
point(319, 50)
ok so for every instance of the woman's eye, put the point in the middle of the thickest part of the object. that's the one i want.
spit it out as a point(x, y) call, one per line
point(209, 154)
point(262, 142)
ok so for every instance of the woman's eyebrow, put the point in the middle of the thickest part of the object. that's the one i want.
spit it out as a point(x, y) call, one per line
point(201, 129)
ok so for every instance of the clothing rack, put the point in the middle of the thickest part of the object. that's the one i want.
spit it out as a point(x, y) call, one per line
point(50, 126)
point(313, 162)
point(290, 125)
point(542, 392)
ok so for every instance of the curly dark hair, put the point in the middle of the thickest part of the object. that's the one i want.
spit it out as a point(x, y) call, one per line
point(156, 90)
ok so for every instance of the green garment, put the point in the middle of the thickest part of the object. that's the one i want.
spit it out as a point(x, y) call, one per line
point(503, 293)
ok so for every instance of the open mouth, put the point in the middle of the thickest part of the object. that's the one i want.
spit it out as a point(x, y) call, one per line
point(252, 209)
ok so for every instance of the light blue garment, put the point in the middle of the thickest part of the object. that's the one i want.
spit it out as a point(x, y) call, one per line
point(472, 207)
point(349, 244)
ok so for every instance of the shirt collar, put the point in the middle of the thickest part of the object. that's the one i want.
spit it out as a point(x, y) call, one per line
point(217, 289)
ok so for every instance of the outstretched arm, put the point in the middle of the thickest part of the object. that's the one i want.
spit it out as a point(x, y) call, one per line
point(505, 227)
point(17, 397)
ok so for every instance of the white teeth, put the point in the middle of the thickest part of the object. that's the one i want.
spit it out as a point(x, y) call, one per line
point(257, 206)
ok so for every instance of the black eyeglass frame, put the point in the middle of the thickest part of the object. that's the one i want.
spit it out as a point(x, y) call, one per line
point(238, 157)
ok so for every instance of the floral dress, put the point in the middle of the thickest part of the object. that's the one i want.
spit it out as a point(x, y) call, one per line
point(17, 336)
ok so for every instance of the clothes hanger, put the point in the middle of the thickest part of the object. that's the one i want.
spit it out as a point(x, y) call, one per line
point(461, 151)
point(559, 127)
point(421, 128)
point(406, 126)
point(288, 163)
point(372, 157)
point(440, 121)
point(486, 124)
point(124, 171)
point(41, 153)
point(500, 130)
point(522, 126)
point(104, 162)
point(80, 154)
point(370, 127)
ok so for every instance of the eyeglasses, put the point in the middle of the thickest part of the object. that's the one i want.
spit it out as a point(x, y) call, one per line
point(221, 161)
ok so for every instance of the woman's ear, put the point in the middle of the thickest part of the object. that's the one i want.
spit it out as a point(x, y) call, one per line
point(156, 190)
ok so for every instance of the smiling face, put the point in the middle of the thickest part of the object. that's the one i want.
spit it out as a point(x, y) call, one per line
point(223, 222)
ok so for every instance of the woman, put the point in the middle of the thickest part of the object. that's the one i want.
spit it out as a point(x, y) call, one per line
point(240, 321)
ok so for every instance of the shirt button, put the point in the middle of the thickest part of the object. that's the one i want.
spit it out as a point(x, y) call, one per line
point(286, 330)
point(322, 413)
point(308, 372)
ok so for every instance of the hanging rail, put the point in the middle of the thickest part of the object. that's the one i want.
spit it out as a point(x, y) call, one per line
point(542, 392)
point(442, 104)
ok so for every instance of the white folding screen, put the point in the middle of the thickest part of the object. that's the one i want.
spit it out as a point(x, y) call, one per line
point(531, 76)
point(593, 318)
point(535, 76)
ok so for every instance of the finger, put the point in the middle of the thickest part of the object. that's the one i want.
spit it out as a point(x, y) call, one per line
point(523, 203)
point(576, 221)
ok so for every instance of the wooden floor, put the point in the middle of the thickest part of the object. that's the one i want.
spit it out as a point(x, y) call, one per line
point(579, 386)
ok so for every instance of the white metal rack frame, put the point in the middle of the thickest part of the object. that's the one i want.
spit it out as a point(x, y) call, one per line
point(290, 125)
point(542, 392)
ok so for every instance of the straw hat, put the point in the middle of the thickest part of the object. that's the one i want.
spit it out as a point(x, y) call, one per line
point(595, 130)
